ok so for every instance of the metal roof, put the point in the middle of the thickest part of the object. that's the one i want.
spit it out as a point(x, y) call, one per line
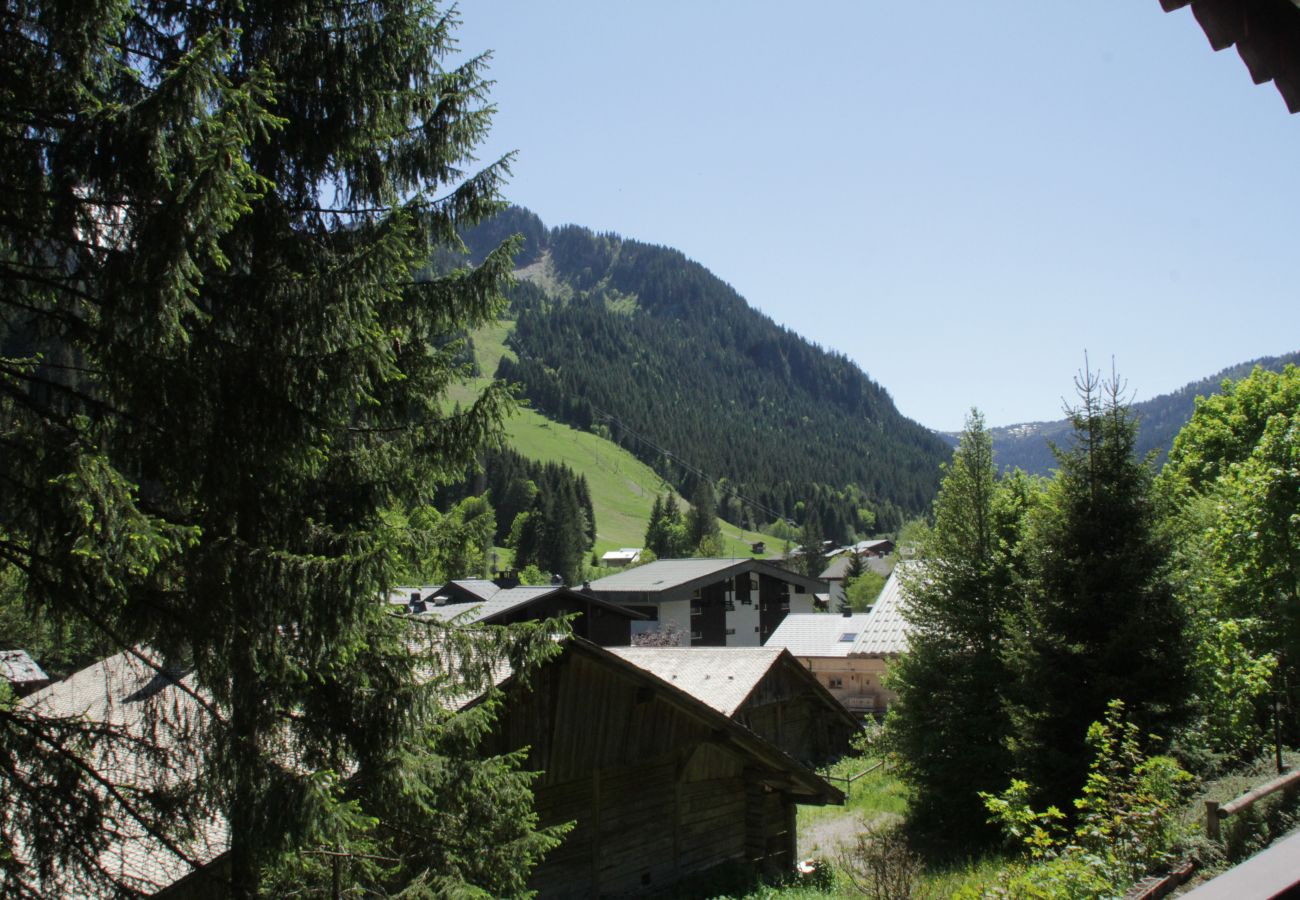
point(885, 631)
point(669, 579)
point(880, 632)
point(722, 677)
point(818, 634)
point(506, 600)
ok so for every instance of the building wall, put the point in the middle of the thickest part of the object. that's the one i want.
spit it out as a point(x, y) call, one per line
point(786, 710)
point(652, 794)
point(854, 681)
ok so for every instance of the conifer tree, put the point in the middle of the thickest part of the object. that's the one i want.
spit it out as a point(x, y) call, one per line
point(223, 366)
point(1101, 622)
point(948, 726)
point(702, 518)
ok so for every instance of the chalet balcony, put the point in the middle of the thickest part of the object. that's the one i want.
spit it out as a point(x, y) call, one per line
point(862, 703)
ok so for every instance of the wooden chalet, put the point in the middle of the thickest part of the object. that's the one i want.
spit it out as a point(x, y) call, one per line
point(763, 688)
point(716, 602)
point(658, 783)
point(850, 654)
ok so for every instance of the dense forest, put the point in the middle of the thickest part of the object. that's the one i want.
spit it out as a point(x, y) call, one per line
point(644, 346)
point(1027, 446)
point(543, 510)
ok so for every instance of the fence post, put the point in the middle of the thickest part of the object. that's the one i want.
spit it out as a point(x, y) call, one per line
point(1212, 819)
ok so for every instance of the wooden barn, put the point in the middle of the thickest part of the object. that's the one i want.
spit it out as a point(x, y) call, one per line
point(763, 688)
point(658, 783)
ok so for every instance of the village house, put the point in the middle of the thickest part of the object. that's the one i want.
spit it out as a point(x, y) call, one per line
point(622, 558)
point(715, 602)
point(850, 654)
point(659, 783)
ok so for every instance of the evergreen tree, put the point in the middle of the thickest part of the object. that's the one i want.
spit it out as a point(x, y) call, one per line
point(665, 535)
point(1101, 622)
point(812, 562)
point(223, 370)
point(702, 518)
point(855, 569)
point(948, 726)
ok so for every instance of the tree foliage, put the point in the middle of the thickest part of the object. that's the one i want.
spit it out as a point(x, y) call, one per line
point(949, 726)
point(1231, 485)
point(222, 372)
point(1101, 621)
point(675, 366)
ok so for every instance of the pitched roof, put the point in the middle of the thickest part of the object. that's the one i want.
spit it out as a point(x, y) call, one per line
point(17, 667)
point(818, 634)
point(147, 707)
point(722, 677)
point(122, 689)
point(507, 600)
point(880, 632)
point(670, 579)
point(885, 630)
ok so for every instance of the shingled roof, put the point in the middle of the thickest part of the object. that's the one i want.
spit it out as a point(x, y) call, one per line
point(1265, 32)
point(134, 703)
point(722, 677)
point(880, 632)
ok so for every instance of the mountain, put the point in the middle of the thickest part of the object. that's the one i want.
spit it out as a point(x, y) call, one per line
point(1159, 419)
point(637, 343)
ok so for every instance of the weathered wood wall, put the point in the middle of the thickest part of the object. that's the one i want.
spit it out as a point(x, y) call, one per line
point(655, 793)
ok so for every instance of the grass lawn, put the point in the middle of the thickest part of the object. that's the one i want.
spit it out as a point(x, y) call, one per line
point(622, 487)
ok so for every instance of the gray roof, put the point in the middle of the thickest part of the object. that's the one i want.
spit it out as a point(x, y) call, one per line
point(818, 634)
point(17, 667)
point(502, 601)
point(885, 633)
point(670, 579)
point(837, 569)
point(880, 632)
point(150, 709)
point(722, 677)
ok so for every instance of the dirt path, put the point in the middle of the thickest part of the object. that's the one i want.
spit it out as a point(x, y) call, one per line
point(826, 836)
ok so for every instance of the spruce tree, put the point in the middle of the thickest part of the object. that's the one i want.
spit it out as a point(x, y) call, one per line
point(948, 725)
point(1101, 621)
point(702, 518)
point(223, 367)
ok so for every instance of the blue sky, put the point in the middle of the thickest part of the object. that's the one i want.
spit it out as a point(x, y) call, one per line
point(961, 197)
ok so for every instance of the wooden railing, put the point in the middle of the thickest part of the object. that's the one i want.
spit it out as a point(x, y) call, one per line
point(849, 780)
point(1215, 814)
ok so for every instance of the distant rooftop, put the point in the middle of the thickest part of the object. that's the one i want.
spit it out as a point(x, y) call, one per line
point(17, 667)
point(672, 578)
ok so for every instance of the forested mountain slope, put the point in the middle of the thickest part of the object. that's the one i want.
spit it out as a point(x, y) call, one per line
point(1025, 446)
point(638, 342)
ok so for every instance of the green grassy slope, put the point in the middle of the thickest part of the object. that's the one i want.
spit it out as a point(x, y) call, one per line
point(622, 488)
